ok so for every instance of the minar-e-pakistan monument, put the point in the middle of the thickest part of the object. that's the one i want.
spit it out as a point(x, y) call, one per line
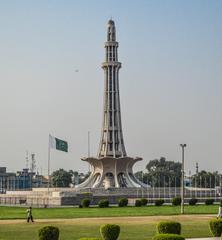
point(112, 168)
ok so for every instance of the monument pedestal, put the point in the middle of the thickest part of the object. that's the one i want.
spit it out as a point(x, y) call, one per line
point(109, 172)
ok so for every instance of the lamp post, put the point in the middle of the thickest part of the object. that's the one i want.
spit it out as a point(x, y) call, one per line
point(182, 179)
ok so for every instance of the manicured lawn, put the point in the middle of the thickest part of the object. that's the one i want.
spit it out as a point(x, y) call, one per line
point(132, 228)
point(73, 212)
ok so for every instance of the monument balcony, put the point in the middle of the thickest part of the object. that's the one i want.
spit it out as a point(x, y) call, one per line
point(111, 43)
point(111, 63)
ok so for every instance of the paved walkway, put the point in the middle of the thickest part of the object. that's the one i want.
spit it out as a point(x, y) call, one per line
point(117, 220)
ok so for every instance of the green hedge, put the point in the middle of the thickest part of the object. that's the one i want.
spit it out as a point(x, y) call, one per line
point(85, 202)
point(123, 202)
point(193, 201)
point(168, 237)
point(159, 202)
point(144, 201)
point(209, 201)
point(49, 233)
point(138, 203)
point(216, 227)
point(176, 201)
point(169, 227)
point(103, 203)
point(110, 231)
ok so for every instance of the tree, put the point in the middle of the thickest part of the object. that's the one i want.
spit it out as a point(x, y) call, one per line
point(205, 179)
point(61, 178)
point(83, 177)
point(161, 172)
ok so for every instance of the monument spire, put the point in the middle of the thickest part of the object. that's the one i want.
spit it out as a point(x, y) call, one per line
point(111, 143)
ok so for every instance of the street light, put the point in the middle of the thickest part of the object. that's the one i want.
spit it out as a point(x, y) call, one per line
point(182, 179)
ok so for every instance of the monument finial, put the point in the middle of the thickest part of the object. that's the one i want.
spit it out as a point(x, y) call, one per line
point(111, 31)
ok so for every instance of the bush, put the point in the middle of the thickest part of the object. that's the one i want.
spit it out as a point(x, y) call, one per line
point(138, 203)
point(110, 231)
point(168, 237)
point(104, 203)
point(176, 201)
point(193, 201)
point(159, 202)
point(216, 227)
point(144, 201)
point(49, 233)
point(169, 227)
point(85, 202)
point(209, 201)
point(123, 202)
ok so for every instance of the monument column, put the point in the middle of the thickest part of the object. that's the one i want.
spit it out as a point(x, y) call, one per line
point(111, 143)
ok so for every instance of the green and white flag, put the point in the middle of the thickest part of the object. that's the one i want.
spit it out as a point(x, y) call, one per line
point(58, 144)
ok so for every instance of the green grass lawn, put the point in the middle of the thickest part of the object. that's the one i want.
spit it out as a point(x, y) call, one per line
point(73, 225)
point(73, 212)
point(70, 230)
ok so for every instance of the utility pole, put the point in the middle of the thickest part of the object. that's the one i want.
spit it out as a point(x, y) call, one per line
point(27, 159)
point(33, 162)
point(182, 179)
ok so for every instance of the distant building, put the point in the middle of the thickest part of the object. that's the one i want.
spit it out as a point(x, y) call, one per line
point(24, 179)
point(39, 181)
point(7, 180)
point(21, 180)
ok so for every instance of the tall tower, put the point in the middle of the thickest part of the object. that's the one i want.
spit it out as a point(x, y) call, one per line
point(111, 143)
point(112, 168)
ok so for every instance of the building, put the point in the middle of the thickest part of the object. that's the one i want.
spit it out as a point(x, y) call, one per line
point(7, 180)
point(112, 168)
point(21, 180)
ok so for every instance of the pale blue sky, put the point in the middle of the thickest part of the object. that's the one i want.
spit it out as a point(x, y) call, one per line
point(170, 81)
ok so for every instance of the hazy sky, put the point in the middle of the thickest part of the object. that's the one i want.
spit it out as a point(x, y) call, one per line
point(170, 81)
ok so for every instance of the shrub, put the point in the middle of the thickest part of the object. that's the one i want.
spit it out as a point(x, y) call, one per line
point(104, 203)
point(169, 227)
point(138, 203)
point(159, 202)
point(49, 233)
point(110, 231)
point(168, 237)
point(85, 202)
point(193, 201)
point(123, 202)
point(216, 227)
point(176, 201)
point(209, 201)
point(144, 201)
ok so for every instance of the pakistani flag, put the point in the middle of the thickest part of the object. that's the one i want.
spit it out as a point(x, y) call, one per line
point(58, 144)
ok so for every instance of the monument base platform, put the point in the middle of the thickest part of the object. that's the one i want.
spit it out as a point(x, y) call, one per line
point(110, 172)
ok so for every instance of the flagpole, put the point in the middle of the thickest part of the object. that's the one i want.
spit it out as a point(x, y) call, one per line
point(88, 143)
